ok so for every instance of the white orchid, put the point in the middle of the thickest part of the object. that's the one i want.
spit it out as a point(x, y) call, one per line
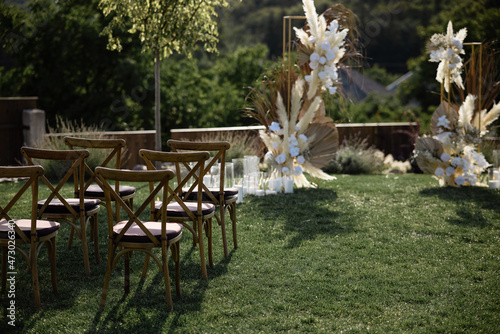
point(275, 126)
point(327, 43)
point(446, 50)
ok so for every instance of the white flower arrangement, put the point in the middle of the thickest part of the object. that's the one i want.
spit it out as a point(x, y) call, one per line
point(324, 43)
point(451, 155)
point(446, 50)
point(286, 141)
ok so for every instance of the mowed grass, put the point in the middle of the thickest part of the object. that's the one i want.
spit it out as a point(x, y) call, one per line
point(360, 254)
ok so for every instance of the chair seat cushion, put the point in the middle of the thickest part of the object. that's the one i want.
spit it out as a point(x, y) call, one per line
point(174, 209)
point(43, 227)
point(229, 194)
point(94, 190)
point(56, 206)
point(135, 234)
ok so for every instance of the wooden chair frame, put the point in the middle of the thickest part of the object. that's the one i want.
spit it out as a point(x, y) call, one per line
point(86, 217)
point(124, 247)
point(224, 204)
point(116, 146)
point(16, 237)
point(191, 214)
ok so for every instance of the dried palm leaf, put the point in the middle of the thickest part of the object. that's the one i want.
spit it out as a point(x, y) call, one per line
point(428, 152)
point(429, 144)
point(324, 142)
point(444, 109)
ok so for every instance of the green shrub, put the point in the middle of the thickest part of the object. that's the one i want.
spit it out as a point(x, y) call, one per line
point(355, 157)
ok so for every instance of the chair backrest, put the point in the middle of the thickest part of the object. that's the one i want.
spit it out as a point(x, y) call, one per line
point(160, 177)
point(218, 149)
point(76, 160)
point(192, 162)
point(113, 147)
point(30, 175)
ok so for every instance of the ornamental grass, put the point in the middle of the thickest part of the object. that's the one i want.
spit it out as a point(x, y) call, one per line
point(363, 253)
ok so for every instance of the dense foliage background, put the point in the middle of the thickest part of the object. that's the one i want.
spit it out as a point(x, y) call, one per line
point(54, 50)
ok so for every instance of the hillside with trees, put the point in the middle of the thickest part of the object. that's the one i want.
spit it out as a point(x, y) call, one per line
point(55, 50)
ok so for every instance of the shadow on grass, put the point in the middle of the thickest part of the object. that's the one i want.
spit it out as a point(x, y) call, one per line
point(470, 202)
point(147, 300)
point(306, 213)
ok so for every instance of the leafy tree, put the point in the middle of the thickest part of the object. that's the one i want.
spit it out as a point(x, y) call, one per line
point(59, 56)
point(480, 17)
point(210, 93)
point(163, 26)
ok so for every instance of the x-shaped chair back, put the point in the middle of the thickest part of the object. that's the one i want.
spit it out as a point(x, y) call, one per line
point(68, 209)
point(179, 159)
point(219, 150)
point(136, 234)
point(34, 232)
point(113, 149)
point(115, 145)
point(216, 196)
point(161, 177)
point(180, 210)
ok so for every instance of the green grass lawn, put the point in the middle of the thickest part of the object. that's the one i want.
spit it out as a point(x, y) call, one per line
point(360, 254)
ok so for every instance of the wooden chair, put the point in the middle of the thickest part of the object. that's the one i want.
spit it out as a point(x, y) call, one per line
point(112, 149)
point(68, 209)
point(34, 232)
point(223, 197)
point(135, 234)
point(179, 210)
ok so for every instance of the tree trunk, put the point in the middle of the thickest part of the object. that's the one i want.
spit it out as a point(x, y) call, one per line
point(157, 102)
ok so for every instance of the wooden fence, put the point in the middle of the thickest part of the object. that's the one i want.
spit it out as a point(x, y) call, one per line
point(390, 138)
point(135, 140)
point(11, 127)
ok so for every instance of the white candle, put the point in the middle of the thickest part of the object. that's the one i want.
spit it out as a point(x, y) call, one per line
point(240, 193)
point(259, 192)
point(494, 184)
point(206, 180)
point(271, 192)
point(288, 186)
point(252, 190)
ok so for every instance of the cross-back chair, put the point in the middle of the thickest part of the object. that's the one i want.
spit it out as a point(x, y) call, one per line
point(179, 210)
point(112, 149)
point(136, 234)
point(71, 208)
point(33, 232)
point(220, 196)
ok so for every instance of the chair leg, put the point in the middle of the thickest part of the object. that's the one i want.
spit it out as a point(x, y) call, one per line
point(145, 267)
point(126, 284)
point(107, 277)
point(70, 239)
point(202, 251)
point(34, 273)
point(166, 279)
point(83, 230)
point(195, 239)
point(95, 238)
point(175, 249)
point(208, 232)
point(4, 268)
point(51, 244)
point(232, 213)
point(223, 228)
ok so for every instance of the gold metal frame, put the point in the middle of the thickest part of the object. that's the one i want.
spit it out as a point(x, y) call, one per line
point(285, 39)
